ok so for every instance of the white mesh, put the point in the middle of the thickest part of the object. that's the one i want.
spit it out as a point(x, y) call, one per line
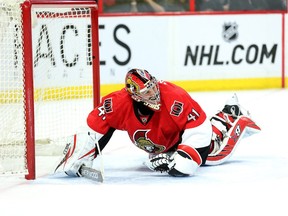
point(12, 129)
point(62, 66)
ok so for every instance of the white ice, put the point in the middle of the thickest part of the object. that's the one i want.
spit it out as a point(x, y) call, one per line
point(253, 182)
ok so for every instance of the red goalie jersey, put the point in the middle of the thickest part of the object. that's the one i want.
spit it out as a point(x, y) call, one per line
point(180, 122)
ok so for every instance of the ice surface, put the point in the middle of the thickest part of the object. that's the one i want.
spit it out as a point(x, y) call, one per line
point(253, 182)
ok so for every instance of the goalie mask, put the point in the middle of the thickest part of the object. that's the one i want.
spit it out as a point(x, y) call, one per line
point(143, 87)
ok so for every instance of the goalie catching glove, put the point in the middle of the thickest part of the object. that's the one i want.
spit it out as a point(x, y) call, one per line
point(160, 163)
point(180, 163)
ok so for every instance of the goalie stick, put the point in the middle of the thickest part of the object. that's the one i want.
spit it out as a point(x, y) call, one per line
point(92, 174)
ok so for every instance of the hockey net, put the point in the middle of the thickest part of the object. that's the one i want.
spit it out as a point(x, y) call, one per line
point(49, 77)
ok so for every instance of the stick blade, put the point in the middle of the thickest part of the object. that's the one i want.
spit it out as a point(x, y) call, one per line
point(92, 174)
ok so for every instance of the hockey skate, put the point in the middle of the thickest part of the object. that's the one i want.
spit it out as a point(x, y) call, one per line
point(229, 126)
point(232, 107)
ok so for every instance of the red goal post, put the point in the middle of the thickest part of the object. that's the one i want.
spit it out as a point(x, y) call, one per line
point(54, 62)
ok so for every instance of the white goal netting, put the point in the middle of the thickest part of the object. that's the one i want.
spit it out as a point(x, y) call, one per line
point(12, 133)
point(62, 77)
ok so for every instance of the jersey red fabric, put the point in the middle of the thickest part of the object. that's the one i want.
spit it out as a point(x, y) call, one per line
point(178, 112)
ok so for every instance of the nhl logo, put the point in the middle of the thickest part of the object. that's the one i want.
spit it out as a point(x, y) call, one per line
point(230, 31)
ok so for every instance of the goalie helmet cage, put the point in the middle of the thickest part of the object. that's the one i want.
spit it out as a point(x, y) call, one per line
point(18, 90)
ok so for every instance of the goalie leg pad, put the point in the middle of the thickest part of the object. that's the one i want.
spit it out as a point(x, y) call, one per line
point(242, 127)
point(80, 150)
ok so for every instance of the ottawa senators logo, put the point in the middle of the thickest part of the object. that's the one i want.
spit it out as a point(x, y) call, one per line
point(177, 108)
point(108, 105)
point(142, 141)
point(132, 86)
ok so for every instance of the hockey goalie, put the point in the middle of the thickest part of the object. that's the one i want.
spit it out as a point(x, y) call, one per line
point(163, 120)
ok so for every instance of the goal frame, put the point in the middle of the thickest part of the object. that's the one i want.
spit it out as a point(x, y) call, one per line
point(28, 67)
